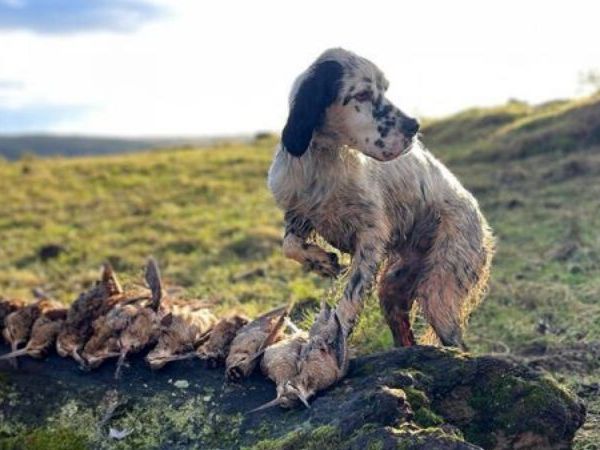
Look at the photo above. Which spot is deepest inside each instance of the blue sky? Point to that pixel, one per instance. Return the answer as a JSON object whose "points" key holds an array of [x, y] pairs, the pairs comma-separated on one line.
{"points": [[76, 16], [191, 67], [36, 117]]}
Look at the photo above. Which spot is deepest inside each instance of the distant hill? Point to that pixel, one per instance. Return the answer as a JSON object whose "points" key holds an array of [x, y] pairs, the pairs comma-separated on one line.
{"points": [[15, 146]]}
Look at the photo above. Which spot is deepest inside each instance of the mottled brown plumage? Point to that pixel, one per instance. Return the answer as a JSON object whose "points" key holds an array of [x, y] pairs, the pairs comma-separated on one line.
{"points": [[251, 340], [141, 331], [216, 348], [322, 361], [130, 326], [180, 334], [106, 329], [8, 306], [280, 363], [19, 323], [43, 334], [89, 306]]}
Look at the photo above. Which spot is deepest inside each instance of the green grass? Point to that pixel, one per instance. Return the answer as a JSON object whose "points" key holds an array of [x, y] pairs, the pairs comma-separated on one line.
{"points": [[205, 214], [208, 217]]}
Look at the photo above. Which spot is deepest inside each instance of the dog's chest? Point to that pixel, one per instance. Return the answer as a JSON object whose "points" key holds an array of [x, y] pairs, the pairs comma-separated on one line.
{"points": [[331, 195], [339, 233], [332, 212]]}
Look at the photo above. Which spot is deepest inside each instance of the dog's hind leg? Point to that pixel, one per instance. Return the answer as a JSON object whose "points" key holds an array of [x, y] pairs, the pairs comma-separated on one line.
{"points": [[454, 279], [396, 297]]}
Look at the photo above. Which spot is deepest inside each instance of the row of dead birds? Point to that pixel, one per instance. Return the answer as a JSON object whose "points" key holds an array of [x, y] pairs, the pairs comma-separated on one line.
{"points": [[109, 322]]}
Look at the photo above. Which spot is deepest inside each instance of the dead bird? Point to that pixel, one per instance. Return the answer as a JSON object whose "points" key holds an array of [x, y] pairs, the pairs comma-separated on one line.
{"points": [[19, 323], [142, 330], [43, 334], [180, 334], [280, 364], [251, 340], [125, 327], [218, 341], [8, 306], [89, 306], [129, 327], [104, 342], [322, 361]]}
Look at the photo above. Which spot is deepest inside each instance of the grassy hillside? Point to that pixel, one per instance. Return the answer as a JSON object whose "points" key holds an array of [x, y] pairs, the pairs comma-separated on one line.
{"points": [[209, 219], [43, 145]]}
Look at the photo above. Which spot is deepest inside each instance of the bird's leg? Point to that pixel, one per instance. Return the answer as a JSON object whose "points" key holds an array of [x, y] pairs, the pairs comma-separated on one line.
{"points": [[14, 362]]}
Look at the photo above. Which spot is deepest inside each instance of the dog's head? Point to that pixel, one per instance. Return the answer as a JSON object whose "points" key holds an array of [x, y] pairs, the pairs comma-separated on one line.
{"points": [[343, 96]]}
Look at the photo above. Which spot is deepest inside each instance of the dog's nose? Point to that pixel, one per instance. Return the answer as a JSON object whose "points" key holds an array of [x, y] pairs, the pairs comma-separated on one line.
{"points": [[410, 127]]}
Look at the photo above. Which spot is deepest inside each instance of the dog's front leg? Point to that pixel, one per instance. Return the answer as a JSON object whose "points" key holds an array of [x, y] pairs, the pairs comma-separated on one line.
{"points": [[311, 256], [365, 264], [324, 359]]}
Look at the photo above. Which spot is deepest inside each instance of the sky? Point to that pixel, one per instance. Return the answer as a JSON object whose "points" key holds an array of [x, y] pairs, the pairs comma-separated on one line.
{"points": [[206, 68]]}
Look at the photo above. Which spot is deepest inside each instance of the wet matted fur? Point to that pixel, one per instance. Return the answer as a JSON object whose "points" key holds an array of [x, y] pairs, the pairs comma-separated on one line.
{"points": [[350, 168]]}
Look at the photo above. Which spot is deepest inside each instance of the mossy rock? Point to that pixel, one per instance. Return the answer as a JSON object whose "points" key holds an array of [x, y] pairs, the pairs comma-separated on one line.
{"points": [[416, 398]]}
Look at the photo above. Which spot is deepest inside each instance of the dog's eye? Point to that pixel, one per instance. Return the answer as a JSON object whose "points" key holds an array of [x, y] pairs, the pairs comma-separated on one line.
{"points": [[364, 96]]}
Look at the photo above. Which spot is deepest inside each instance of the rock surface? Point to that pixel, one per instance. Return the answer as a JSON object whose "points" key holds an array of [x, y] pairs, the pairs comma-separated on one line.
{"points": [[415, 398]]}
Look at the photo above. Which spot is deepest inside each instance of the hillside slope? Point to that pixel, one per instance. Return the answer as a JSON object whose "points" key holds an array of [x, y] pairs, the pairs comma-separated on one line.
{"points": [[208, 217], [43, 145]]}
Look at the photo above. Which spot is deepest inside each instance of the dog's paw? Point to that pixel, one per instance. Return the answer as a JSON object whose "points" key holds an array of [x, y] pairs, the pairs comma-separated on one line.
{"points": [[328, 266]]}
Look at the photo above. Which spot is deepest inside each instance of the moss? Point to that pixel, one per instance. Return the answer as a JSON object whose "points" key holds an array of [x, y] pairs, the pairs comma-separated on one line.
{"points": [[515, 405], [416, 398], [324, 437], [46, 439], [152, 423], [408, 437], [9, 430], [423, 416], [377, 445], [365, 369], [159, 422]]}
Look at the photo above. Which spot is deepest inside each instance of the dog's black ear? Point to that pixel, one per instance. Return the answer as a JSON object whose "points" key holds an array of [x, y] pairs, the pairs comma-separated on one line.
{"points": [[318, 91]]}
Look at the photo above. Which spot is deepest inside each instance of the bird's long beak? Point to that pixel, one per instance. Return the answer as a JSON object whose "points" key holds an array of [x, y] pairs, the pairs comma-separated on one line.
{"points": [[159, 361], [120, 364], [14, 354], [303, 399], [77, 357], [275, 402], [181, 357], [14, 362], [279, 400], [91, 362], [300, 395]]}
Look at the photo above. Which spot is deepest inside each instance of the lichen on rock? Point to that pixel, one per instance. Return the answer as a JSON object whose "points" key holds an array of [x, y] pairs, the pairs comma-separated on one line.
{"points": [[415, 398]]}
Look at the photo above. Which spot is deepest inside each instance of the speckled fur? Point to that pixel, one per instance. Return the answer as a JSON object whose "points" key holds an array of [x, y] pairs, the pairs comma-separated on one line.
{"points": [[400, 206]]}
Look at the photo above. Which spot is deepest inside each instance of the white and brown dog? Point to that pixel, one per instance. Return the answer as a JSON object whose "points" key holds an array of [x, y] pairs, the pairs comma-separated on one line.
{"points": [[351, 169]]}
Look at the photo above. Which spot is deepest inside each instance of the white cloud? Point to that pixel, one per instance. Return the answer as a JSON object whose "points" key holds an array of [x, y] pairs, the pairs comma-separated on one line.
{"points": [[226, 67]]}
